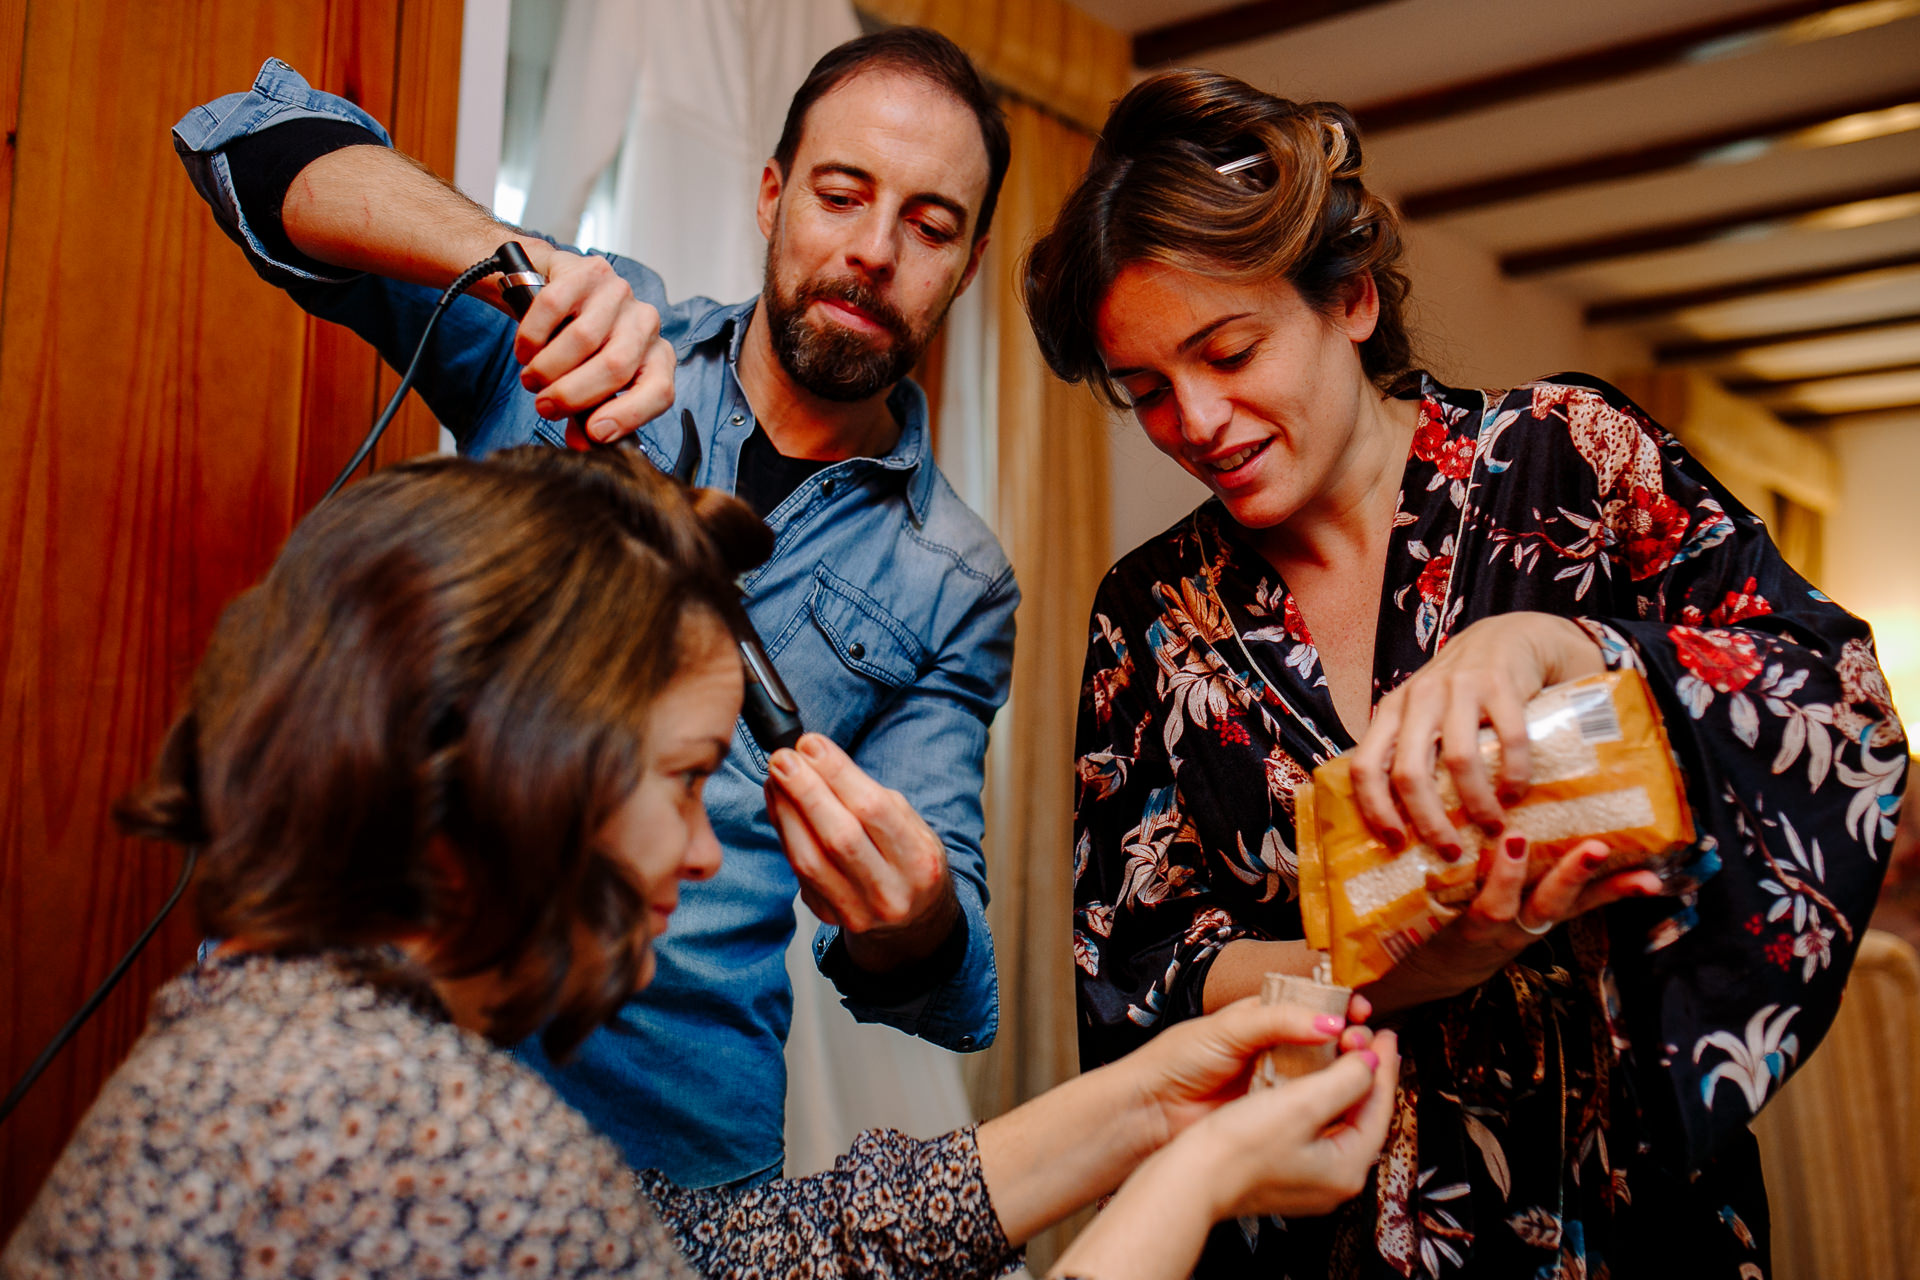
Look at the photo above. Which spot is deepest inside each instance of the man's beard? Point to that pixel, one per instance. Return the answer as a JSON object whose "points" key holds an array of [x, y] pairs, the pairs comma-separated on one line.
{"points": [[831, 360]]}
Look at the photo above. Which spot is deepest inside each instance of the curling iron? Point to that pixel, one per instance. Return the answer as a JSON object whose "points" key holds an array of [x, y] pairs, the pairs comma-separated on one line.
{"points": [[772, 716]]}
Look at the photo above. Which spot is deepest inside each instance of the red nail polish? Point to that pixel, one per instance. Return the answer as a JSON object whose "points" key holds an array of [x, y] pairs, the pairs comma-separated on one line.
{"points": [[1395, 841], [1516, 847], [1451, 852]]}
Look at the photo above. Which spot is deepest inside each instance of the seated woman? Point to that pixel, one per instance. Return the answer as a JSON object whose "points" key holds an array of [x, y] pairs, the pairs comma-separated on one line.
{"points": [[446, 766], [1578, 1082]]}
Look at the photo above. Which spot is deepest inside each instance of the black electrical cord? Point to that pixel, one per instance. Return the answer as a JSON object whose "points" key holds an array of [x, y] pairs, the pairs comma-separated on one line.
{"points": [[74, 1023], [502, 261], [463, 282]]}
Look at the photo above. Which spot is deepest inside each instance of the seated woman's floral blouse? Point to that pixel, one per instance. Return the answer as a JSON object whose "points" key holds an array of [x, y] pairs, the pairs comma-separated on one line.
{"points": [[1585, 1111], [320, 1117]]}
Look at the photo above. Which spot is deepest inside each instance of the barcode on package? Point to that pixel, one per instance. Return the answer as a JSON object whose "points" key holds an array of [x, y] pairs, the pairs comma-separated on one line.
{"points": [[1594, 709]]}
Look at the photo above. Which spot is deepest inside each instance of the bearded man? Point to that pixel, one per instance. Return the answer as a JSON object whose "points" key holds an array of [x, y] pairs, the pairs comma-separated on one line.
{"points": [[887, 606]]}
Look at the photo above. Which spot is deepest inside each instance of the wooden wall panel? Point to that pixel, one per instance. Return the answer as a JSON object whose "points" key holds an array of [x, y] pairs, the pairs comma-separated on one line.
{"points": [[164, 417], [13, 31], [423, 118]]}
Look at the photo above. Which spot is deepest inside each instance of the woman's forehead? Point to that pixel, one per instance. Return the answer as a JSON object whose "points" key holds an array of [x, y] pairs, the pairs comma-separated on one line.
{"points": [[1154, 311]]}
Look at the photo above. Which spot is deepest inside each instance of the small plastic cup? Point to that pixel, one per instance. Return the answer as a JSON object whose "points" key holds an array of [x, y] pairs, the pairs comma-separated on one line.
{"points": [[1287, 1061]]}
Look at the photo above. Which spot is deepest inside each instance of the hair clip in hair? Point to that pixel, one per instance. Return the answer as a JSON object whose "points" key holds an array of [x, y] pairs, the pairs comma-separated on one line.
{"points": [[1244, 162]]}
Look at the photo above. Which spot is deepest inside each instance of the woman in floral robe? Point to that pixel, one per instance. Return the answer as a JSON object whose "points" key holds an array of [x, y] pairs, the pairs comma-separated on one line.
{"points": [[1582, 1111]]}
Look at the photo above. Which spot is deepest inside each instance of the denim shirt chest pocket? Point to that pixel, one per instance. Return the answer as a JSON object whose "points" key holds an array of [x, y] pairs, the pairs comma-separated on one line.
{"points": [[846, 657]]}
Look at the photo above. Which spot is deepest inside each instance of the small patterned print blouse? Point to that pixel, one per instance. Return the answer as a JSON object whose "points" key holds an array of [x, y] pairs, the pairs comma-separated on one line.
{"points": [[321, 1117]]}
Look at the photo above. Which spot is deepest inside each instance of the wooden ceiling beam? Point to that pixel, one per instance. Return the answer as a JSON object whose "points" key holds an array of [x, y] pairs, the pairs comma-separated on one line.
{"points": [[1757, 385], [1746, 33], [1694, 352], [1656, 305], [1177, 41], [1828, 126], [1748, 223], [1811, 418]]}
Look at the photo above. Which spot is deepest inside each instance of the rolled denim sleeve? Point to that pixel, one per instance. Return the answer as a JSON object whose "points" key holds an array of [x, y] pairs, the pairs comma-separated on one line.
{"points": [[467, 374], [280, 95], [931, 747]]}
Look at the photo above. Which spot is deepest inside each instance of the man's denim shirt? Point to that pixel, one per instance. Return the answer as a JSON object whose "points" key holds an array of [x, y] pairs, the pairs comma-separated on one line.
{"points": [[888, 607]]}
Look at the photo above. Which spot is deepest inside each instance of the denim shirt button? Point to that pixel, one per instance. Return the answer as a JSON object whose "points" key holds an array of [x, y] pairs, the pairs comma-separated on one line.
{"points": [[826, 489], [739, 418], [857, 650], [966, 1043]]}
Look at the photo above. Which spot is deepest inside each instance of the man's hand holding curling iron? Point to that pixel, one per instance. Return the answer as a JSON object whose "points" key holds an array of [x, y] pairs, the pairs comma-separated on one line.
{"points": [[866, 861], [587, 343]]}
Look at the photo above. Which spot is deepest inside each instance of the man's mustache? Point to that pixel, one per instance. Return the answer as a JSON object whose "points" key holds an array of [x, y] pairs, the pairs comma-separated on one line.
{"points": [[862, 297]]}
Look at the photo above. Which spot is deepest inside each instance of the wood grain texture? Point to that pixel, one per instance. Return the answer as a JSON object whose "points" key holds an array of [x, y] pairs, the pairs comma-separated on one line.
{"points": [[13, 32], [164, 417], [423, 119]]}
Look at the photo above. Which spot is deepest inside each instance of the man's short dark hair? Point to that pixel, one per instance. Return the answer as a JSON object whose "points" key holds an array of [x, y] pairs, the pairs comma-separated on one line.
{"points": [[914, 51]]}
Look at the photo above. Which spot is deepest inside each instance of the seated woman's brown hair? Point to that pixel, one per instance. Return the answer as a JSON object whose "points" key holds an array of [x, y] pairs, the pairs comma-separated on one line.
{"points": [[414, 726], [1291, 206]]}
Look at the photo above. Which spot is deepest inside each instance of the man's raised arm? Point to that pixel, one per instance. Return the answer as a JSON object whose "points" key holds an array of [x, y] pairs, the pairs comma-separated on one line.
{"points": [[306, 183]]}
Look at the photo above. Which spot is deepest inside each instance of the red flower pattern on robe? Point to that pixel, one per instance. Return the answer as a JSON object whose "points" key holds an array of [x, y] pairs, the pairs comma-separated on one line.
{"points": [[1740, 605], [1296, 626], [1451, 455], [1727, 660], [1432, 584], [1653, 525]]}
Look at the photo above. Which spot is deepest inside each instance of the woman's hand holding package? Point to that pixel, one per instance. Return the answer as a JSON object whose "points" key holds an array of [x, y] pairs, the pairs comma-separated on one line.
{"points": [[1482, 676], [1505, 919]]}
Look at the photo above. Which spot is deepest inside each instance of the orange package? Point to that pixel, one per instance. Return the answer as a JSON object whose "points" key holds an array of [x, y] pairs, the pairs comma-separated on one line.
{"points": [[1602, 769]]}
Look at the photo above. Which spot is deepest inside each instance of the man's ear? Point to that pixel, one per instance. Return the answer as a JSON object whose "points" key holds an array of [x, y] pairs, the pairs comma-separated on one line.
{"points": [[973, 264], [772, 183], [1359, 308]]}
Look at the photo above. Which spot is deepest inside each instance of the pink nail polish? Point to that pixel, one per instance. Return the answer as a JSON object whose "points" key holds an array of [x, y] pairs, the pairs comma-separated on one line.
{"points": [[1328, 1023], [1371, 1058]]}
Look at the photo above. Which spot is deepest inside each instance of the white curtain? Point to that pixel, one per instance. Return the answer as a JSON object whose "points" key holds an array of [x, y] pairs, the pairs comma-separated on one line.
{"points": [[669, 109], [658, 117]]}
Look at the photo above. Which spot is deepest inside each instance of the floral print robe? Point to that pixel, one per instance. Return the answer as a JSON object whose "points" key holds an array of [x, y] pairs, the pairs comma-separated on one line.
{"points": [[1585, 1112]]}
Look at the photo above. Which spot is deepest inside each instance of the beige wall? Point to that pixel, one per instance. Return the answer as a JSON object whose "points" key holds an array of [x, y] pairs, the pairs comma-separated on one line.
{"points": [[1872, 560], [1473, 327]]}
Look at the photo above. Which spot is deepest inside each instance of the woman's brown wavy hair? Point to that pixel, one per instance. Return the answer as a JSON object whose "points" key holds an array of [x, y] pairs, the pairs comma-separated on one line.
{"points": [[1152, 192], [416, 724]]}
